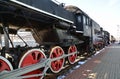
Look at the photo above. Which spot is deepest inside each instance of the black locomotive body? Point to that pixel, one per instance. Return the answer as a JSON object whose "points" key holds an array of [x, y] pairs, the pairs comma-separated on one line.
{"points": [[97, 35], [60, 32]]}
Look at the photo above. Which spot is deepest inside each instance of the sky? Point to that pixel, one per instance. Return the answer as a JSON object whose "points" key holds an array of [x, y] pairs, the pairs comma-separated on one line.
{"points": [[105, 12]]}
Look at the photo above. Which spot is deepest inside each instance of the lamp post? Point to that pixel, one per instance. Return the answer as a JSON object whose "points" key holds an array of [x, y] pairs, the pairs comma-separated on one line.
{"points": [[118, 33]]}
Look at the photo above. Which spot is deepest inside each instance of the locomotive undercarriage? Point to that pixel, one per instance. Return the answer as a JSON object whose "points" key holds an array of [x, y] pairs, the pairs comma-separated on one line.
{"points": [[35, 55]]}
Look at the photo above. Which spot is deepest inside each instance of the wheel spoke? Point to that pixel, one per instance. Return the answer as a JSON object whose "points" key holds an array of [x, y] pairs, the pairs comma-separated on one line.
{"points": [[72, 58], [56, 65], [32, 56]]}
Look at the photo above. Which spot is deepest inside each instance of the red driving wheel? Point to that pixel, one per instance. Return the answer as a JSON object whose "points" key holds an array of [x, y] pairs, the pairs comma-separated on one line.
{"points": [[56, 65], [72, 58], [32, 56], [5, 64]]}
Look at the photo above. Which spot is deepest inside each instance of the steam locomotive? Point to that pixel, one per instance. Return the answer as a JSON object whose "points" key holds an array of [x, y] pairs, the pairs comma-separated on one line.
{"points": [[62, 34]]}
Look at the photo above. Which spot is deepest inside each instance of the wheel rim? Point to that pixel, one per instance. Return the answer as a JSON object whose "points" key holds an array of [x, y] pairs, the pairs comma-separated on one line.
{"points": [[72, 58], [56, 65], [32, 56], [5, 64]]}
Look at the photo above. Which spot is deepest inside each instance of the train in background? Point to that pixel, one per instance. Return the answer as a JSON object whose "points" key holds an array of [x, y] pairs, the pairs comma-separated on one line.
{"points": [[59, 31], [112, 39]]}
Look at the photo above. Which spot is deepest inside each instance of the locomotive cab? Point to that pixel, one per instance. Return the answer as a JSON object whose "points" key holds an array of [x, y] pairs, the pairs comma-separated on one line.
{"points": [[83, 25]]}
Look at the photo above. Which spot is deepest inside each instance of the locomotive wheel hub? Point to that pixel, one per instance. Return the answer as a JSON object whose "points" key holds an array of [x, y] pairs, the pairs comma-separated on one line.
{"points": [[32, 56], [5, 64], [72, 58], [56, 65]]}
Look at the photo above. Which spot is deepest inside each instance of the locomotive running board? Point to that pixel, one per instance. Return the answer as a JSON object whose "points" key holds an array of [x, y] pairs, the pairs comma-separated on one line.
{"points": [[39, 10]]}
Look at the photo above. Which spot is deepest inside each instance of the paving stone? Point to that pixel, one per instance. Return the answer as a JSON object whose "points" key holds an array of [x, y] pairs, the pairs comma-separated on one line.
{"points": [[105, 65]]}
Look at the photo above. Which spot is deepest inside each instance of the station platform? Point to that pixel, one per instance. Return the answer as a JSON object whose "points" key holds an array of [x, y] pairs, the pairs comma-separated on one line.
{"points": [[105, 65]]}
